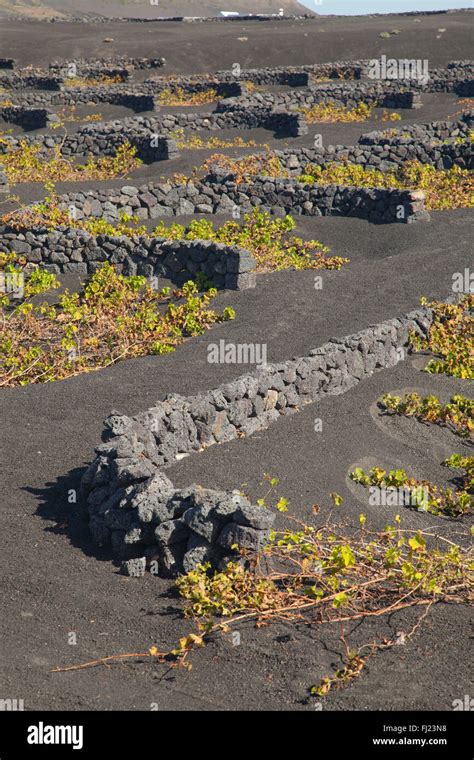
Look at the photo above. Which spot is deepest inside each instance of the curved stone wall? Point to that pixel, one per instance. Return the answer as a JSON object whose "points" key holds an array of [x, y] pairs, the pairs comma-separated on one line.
{"points": [[441, 144], [220, 194], [72, 250], [136, 509], [26, 117]]}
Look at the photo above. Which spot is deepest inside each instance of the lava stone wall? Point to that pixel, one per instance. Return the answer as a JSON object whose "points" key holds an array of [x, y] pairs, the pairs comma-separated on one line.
{"points": [[239, 114], [97, 141], [28, 118], [424, 133], [136, 509], [441, 144], [123, 93], [101, 140], [220, 194], [341, 94], [390, 95], [383, 157], [94, 71], [148, 134], [72, 250], [129, 95], [150, 523], [296, 76], [99, 64], [30, 80], [281, 123], [195, 84], [457, 77]]}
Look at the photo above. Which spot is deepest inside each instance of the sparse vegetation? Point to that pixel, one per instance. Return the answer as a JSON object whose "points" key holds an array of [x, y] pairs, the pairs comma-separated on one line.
{"points": [[332, 112], [264, 164], [318, 574], [267, 238], [467, 104], [102, 81], [114, 318], [196, 142], [421, 494], [48, 213], [390, 116], [252, 86], [327, 588], [458, 414], [177, 96], [449, 338], [443, 190], [29, 163], [69, 114], [318, 79]]}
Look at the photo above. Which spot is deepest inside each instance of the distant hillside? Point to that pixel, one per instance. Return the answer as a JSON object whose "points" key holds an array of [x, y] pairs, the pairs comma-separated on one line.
{"points": [[143, 8]]}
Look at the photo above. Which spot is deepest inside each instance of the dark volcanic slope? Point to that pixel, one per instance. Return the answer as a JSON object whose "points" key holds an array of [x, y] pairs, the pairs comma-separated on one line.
{"points": [[144, 9], [58, 583], [194, 48], [202, 8], [55, 583]]}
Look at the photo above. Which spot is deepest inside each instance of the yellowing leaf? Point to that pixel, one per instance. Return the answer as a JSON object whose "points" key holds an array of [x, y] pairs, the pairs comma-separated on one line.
{"points": [[417, 542]]}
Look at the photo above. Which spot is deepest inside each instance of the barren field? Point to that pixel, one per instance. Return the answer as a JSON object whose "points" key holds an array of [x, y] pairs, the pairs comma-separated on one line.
{"points": [[235, 127]]}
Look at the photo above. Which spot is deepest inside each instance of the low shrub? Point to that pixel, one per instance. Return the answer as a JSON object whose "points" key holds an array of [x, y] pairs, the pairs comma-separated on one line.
{"points": [[390, 116], [27, 163], [265, 164], [69, 114], [196, 142], [458, 414], [114, 318], [315, 574], [443, 190], [332, 112], [177, 96], [252, 86], [421, 494], [267, 238], [102, 81], [49, 214], [449, 338]]}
